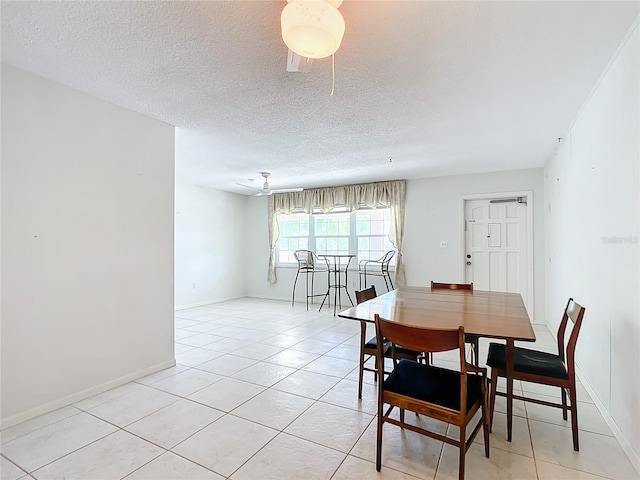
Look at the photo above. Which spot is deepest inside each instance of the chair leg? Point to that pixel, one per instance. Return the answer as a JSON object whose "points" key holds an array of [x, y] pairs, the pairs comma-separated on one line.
{"points": [[563, 392], [492, 400], [391, 282], [485, 423], [574, 416], [462, 451], [379, 435], [363, 333], [293, 295]]}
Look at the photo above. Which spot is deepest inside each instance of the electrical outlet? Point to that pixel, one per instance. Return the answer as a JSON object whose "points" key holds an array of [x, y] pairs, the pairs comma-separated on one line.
{"points": [[194, 285], [443, 244]]}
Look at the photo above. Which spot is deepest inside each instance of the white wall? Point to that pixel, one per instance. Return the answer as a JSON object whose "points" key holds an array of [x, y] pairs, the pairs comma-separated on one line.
{"points": [[592, 200], [87, 245], [432, 214], [210, 241]]}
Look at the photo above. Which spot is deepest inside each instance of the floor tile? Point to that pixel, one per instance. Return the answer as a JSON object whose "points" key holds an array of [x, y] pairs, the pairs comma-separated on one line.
{"points": [[272, 393], [402, 450], [227, 365], [331, 426], [292, 358], [348, 352], [162, 374], [335, 367], [112, 394], [354, 468], [281, 340], [345, 394], [258, 351], [290, 458], [10, 471], [501, 465], [170, 466], [314, 346], [226, 394], [589, 418], [188, 382], [599, 454], [307, 384], [196, 356], [173, 424], [265, 374], [273, 408], [226, 444], [549, 471], [29, 426], [129, 408], [113, 456], [49, 443]]}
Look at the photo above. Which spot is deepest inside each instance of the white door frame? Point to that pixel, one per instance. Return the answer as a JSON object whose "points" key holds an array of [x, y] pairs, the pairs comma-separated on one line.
{"points": [[528, 194]]}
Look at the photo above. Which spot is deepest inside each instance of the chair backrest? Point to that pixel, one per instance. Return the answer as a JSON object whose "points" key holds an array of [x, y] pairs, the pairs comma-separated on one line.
{"points": [[451, 286], [423, 340], [419, 339], [366, 294], [574, 312], [386, 258], [305, 258]]}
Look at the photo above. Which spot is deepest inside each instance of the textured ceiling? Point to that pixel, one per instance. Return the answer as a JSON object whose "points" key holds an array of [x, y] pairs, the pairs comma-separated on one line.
{"points": [[439, 87]]}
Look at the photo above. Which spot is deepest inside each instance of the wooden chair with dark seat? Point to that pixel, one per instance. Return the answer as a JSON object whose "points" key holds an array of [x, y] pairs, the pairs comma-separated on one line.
{"points": [[376, 268], [447, 395], [473, 340], [546, 368], [369, 349]]}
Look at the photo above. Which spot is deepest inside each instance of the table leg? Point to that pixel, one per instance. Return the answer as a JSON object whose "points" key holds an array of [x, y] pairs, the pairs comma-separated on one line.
{"points": [[510, 359]]}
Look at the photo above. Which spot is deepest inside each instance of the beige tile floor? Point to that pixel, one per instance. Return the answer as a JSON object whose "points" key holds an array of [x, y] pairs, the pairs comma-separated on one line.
{"points": [[263, 391]]}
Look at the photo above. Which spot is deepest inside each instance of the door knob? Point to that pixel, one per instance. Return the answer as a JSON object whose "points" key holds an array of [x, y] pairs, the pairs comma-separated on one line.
{"points": [[468, 263]]}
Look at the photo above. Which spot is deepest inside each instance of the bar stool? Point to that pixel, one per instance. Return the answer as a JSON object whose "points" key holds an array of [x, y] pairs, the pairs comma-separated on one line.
{"points": [[376, 268], [310, 264]]}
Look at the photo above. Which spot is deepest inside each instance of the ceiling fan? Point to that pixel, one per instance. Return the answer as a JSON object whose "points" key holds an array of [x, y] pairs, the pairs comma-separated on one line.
{"points": [[266, 190]]}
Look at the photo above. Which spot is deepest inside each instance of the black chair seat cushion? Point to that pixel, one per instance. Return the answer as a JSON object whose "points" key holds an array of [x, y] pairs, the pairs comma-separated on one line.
{"points": [[432, 384], [528, 361], [373, 343]]}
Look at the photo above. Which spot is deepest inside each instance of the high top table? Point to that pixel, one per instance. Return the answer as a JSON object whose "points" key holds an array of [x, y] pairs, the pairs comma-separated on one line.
{"points": [[497, 315], [335, 267]]}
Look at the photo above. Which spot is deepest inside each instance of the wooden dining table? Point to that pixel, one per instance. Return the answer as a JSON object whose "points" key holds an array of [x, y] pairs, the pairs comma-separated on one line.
{"points": [[499, 315]]}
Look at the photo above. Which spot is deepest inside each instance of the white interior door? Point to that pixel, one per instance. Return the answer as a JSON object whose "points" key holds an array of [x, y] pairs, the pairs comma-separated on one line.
{"points": [[496, 246]]}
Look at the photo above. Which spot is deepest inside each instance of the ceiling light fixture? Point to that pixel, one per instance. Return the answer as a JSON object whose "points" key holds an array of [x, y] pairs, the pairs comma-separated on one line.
{"points": [[312, 28]]}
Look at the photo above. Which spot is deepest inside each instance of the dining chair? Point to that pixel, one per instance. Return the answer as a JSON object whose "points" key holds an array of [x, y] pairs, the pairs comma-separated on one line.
{"points": [[369, 349], [544, 368], [473, 340], [309, 264], [447, 395], [376, 268]]}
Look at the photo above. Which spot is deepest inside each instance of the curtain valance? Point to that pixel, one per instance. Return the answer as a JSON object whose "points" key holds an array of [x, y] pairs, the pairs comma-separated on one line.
{"points": [[351, 197]]}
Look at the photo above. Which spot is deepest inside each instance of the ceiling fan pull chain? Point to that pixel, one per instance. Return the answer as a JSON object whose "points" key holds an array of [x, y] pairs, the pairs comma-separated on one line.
{"points": [[333, 73]]}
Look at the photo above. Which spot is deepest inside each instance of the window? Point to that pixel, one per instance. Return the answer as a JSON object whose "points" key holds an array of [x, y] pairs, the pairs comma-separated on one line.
{"points": [[363, 232], [372, 233], [294, 235]]}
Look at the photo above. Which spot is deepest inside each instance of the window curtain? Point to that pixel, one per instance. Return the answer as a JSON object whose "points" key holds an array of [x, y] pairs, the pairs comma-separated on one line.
{"points": [[352, 197]]}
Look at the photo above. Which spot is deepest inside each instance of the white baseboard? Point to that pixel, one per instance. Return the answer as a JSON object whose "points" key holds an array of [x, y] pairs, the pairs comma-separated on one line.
{"points": [[76, 397], [208, 302], [633, 457]]}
